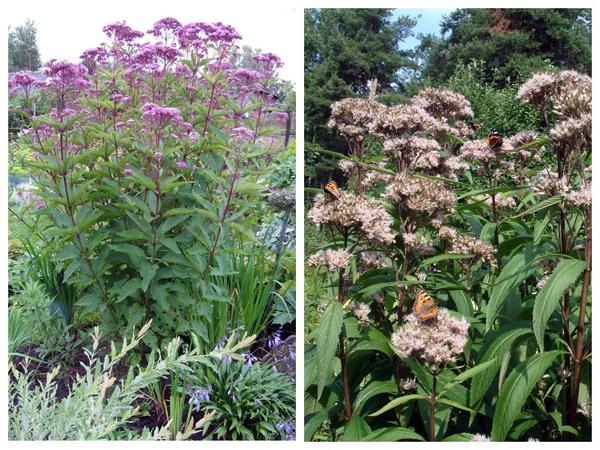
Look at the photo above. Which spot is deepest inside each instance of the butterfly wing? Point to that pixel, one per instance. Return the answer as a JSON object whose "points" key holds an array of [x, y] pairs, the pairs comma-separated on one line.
{"points": [[425, 307], [494, 140], [332, 189]]}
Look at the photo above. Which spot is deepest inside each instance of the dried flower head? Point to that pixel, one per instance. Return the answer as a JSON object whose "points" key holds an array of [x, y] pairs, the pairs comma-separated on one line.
{"points": [[352, 117], [283, 199], [548, 183], [332, 259], [361, 311], [357, 212], [481, 250], [581, 197], [420, 194]]}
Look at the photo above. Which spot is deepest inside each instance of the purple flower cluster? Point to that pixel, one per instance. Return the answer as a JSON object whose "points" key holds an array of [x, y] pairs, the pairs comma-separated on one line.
{"points": [[268, 61], [288, 429], [121, 32], [199, 396], [166, 25], [21, 82], [161, 116], [65, 76], [242, 134], [199, 34]]}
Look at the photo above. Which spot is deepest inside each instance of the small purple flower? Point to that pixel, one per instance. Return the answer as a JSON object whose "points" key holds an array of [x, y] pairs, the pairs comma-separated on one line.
{"points": [[158, 156], [182, 165], [198, 396], [288, 428], [128, 171], [39, 205], [274, 340]]}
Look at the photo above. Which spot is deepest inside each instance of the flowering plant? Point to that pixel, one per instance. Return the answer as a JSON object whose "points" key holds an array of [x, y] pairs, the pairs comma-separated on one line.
{"points": [[497, 234], [150, 168]]}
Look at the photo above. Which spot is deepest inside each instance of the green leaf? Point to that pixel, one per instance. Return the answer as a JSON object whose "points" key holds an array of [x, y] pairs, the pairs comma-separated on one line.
{"points": [[501, 341], [312, 423], [129, 288], [516, 390], [539, 206], [443, 257], [540, 227], [399, 401], [469, 373], [374, 340], [372, 389], [356, 429], [463, 302], [564, 275], [454, 404], [147, 272], [327, 339], [518, 268], [393, 435]]}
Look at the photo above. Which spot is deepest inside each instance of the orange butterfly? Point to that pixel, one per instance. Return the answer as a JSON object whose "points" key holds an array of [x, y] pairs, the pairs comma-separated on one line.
{"points": [[425, 308], [332, 189], [494, 140]]}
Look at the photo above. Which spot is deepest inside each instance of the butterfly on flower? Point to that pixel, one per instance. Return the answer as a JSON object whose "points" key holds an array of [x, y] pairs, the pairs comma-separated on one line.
{"points": [[424, 307], [494, 140], [332, 189]]}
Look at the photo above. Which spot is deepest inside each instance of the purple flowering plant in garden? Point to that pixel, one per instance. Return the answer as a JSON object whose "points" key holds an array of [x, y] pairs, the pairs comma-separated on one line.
{"points": [[150, 172], [498, 234]]}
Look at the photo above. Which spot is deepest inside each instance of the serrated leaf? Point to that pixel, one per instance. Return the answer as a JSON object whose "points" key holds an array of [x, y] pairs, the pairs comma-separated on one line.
{"points": [[501, 341], [327, 340], [518, 268], [516, 390], [564, 275]]}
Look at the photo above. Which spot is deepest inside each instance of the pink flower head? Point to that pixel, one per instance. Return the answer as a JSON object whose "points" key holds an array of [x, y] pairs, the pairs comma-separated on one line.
{"points": [[268, 61], [121, 32], [151, 53], [436, 342], [64, 75], [166, 25], [245, 75], [217, 32], [128, 171], [279, 116], [242, 134], [161, 116], [21, 82], [97, 55], [158, 156], [182, 165]]}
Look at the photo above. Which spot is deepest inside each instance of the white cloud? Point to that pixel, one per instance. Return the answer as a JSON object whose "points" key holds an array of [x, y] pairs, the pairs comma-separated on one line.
{"points": [[66, 29]]}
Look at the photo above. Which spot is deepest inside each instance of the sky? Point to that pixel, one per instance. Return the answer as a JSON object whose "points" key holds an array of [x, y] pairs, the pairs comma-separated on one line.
{"points": [[65, 32], [429, 22]]}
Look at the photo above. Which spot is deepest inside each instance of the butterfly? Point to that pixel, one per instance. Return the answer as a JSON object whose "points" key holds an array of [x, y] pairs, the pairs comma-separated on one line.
{"points": [[332, 189], [424, 307], [494, 140]]}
